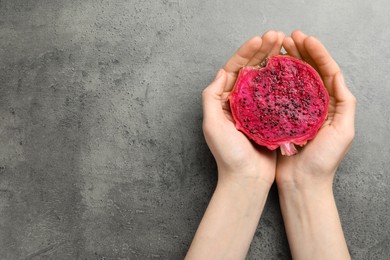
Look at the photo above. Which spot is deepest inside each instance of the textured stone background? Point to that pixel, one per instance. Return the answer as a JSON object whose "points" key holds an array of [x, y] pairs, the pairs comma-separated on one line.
{"points": [[101, 148]]}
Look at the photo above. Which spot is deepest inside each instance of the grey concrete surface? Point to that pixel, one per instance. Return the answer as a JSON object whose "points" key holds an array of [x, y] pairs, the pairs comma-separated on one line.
{"points": [[101, 149]]}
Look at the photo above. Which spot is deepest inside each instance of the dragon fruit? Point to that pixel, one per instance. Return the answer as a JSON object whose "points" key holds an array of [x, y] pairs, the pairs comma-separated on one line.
{"points": [[281, 104]]}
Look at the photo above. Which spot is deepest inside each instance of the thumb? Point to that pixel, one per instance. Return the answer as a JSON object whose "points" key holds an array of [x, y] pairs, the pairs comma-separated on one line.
{"points": [[345, 103], [212, 96]]}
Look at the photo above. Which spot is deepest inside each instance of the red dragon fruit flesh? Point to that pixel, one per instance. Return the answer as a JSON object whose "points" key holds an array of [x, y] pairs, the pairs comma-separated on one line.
{"points": [[280, 104]]}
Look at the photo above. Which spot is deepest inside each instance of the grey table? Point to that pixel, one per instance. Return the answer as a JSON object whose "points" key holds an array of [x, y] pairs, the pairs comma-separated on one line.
{"points": [[101, 148]]}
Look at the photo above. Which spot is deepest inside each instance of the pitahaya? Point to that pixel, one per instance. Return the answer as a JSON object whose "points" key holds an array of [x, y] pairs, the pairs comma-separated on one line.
{"points": [[280, 104]]}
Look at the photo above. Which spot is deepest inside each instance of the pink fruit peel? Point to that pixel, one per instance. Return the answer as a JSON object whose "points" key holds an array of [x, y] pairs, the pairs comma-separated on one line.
{"points": [[281, 104]]}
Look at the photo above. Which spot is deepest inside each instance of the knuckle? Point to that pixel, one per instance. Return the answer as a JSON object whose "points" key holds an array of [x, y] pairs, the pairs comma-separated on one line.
{"points": [[210, 127], [350, 98], [205, 93], [207, 129], [345, 133], [350, 134], [353, 100]]}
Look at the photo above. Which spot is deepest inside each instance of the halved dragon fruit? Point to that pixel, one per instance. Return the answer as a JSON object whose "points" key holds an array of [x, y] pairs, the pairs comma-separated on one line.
{"points": [[281, 104]]}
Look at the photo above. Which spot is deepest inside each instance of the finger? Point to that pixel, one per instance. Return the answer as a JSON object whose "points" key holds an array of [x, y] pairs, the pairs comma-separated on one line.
{"points": [[299, 38], [270, 39], [278, 45], [211, 97], [325, 64], [291, 48], [320, 56], [344, 116], [240, 59]]}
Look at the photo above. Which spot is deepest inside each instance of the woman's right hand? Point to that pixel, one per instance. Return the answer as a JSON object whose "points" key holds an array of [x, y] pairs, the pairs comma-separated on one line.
{"points": [[305, 180], [317, 161]]}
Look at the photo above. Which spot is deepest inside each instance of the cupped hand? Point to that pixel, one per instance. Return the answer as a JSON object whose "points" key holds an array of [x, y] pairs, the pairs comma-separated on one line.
{"points": [[235, 154], [317, 162]]}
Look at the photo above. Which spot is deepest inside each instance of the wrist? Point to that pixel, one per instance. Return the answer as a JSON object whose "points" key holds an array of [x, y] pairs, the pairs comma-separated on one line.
{"points": [[231, 218], [312, 222], [252, 174], [306, 196], [244, 181], [248, 194], [300, 181]]}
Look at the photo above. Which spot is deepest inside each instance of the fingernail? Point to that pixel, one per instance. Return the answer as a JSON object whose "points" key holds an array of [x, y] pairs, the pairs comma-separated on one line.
{"points": [[219, 74]]}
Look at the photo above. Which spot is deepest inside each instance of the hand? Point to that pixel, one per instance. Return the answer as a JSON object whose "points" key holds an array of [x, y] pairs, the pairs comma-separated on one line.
{"points": [[317, 162], [245, 171], [235, 154], [305, 180]]}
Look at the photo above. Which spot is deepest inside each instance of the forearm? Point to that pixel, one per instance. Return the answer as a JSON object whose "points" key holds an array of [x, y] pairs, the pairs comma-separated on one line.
{"points": [[230, 220], [312, 223]]}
